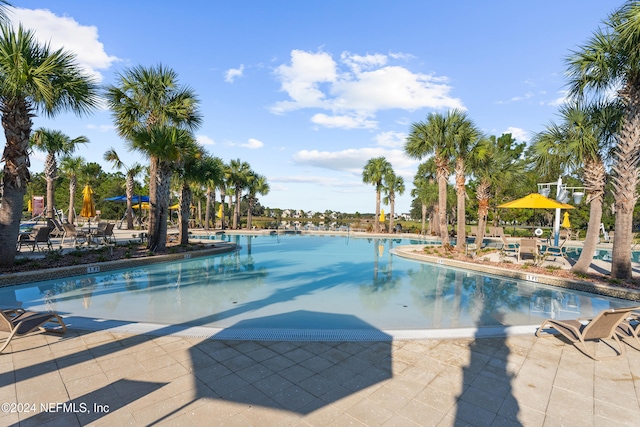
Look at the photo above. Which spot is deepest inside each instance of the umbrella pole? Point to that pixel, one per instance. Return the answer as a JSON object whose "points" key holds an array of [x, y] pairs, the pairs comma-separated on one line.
{"points": [[556, 228]]}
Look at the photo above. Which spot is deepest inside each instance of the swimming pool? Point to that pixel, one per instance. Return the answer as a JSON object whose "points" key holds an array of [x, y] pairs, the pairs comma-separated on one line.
{"points": [[305, 283]]}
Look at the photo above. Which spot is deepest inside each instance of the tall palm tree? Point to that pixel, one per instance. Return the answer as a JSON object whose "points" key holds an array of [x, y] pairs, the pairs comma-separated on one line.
{"points": [[33, 79], [196, 169], [373, 173], [497, 164], [149, 103], [165, 146], [609, 63], [53, 142], [393, 185], [132, 171], [70, 167], [238, 174], [583, 141], [215, 181], [466, 143], [426, 190], [257, 185], [434, 136]]}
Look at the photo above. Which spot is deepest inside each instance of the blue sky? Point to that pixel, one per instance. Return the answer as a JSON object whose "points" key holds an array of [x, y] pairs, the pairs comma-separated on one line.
{"points": [[308, 91]]}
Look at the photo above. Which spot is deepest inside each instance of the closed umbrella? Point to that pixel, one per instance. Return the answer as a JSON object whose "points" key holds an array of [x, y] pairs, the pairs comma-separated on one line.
{"points": [[565, 222], [382, 216], [88, 208]]}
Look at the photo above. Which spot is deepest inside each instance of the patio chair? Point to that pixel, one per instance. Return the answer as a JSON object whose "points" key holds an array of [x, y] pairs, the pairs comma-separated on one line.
{"points": [[601, 327], [630, 327], [41, 237], [105, 232], [56, 227], [556, 251], [528, 247], [70, 231], [510, 248], [20, 322]]}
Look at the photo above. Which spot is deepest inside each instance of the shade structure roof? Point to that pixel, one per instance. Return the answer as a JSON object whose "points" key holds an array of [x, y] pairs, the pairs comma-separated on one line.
{"points": [[136, 199], [535, 201]]}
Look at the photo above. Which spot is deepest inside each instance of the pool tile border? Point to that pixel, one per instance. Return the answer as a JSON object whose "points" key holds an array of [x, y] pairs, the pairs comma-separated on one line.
{"points": [[578, 285], [101, 267]]}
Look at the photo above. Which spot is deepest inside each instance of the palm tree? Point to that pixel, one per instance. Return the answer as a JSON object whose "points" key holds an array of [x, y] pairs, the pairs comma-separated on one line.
{"points": [[53, 142], [426, 189], [373, 173], [582, 142], [434, 137], [393, 185], [132, 171], [216, 179], [149, 103], [497, 165], [70, 167], [165, 146], [466, 141], [257, 185], [33, 78], [608, 63], [238, 174]]}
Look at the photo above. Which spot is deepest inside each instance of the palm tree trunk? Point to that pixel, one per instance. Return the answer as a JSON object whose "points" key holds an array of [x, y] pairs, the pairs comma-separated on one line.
{"points": [[391, 211], [249, 216], [442, 209], [129, 190], [73, 184], [236, 211], [625, 183], [207, 210], [424, 217], [461, 194], [595, 180], [17, 125], [483, 196], [159, 187], [184, 213], [376, 221], [50, 176]]}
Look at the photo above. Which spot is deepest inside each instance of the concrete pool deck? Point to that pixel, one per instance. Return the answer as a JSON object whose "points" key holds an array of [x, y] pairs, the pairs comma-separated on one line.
{"points": [[103, 378], [107, 378]]}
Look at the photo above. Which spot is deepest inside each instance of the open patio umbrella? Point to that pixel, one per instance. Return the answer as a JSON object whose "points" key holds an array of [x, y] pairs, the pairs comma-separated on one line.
{"points": [[535, 201]]}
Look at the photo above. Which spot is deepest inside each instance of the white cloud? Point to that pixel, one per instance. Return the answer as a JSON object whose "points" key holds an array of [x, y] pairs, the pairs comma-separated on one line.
{"points": [[344, 122], [204, 140], [352, 160], [233, 73], [520, 135], [252, 144], [354, 93], [101, 128], [67, 33], [323, 181], [391, 139]]}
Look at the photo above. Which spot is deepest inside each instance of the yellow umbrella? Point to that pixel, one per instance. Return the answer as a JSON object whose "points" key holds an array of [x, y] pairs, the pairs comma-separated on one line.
{"points": [[88, 208], [220, 211], [535, 201], [565, 221], [382, 216], [143, 205]]}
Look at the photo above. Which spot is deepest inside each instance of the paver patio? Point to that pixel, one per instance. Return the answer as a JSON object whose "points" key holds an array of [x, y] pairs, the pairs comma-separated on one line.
{"points": [[121, 379]]}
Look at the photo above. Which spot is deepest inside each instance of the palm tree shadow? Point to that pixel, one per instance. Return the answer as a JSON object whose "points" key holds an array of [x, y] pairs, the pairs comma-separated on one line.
{"points": [[486, 397]]}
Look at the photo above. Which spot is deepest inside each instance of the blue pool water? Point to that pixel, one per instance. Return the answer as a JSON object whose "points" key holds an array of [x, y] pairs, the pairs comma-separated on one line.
{"points": [[306, 282]]}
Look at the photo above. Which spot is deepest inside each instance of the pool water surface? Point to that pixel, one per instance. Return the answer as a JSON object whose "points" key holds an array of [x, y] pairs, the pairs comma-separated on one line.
{"points": [[306, 282]]}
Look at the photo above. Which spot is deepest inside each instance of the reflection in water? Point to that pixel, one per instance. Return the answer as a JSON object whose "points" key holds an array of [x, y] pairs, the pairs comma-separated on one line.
{"points": [[287, 273]]}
